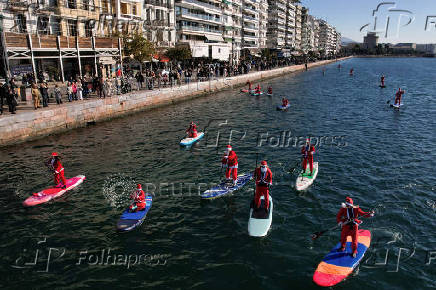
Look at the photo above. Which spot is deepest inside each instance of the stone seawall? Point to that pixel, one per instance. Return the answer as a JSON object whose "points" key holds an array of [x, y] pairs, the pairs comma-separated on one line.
{"points": [[28, 125]]}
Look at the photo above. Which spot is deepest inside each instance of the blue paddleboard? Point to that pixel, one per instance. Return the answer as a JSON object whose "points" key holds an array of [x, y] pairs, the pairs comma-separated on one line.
{"points": [[190, 141], [130, 220], [224, 187]]}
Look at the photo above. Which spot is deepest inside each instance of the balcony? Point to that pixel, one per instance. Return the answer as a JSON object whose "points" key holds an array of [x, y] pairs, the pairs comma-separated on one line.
{"points": [[199, 29], [201, 17], [249, 18], [201, 4], [251, 28]]}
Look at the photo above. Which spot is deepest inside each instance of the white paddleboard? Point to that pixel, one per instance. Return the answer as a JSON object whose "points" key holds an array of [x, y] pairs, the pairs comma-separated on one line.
{"points": [[305, 180], [397, 106], [259, 221]]}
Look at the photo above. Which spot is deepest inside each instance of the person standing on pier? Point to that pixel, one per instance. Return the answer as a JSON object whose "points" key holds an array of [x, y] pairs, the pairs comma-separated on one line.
{"points": [[230, 162], [36, 96]]}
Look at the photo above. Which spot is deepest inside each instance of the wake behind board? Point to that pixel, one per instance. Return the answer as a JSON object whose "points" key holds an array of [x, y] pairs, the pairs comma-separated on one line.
{"points": [[283, 108], [260, 220], [130, 220], [225, 188], [304, 180], [190, 141], [336, 266], [53, 192]]}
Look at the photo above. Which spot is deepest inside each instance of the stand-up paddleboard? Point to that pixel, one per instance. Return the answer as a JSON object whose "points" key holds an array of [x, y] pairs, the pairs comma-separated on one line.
{"points": [[382, 86], [53, 192], [397, 106], [245, 91], [224, 187], [130, 220], [260, 219], [283, 108], [269, 95], [336, 266], [190, 141], [256, 94], [304, 180]]}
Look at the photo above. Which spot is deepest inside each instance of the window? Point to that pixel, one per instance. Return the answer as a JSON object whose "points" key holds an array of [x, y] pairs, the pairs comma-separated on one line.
{"points": [[72, 27], [123, 8], [134, 9], [89, 26], [55, 25], [104, 6], [20, 23], [42, 25], [72, 4]]}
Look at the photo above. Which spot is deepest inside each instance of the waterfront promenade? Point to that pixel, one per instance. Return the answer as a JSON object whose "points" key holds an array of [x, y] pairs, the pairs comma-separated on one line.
{"points": [[28, 125]]}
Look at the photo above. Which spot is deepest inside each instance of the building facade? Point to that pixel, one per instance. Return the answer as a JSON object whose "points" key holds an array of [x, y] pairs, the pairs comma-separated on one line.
{"points": [[64, 38], [159, 22]]}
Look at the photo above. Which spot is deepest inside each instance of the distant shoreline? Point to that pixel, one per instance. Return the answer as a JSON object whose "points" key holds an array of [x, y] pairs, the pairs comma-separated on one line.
{"points": [[393, 56]]}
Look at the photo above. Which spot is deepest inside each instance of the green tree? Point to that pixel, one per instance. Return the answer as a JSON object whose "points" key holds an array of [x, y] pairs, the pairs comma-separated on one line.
{"points": [[139, 48], [178, 53]]}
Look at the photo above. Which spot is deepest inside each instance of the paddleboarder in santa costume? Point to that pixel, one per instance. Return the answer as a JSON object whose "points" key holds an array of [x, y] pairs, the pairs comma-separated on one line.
{"points": [[192, 130], [138, 199], [270, 90], [382, 81], [285, 102], [307, 152], [257, 89], [347, 218], [263, 177], [398, 96], [351, 71], [54, 164], [230, 162]]}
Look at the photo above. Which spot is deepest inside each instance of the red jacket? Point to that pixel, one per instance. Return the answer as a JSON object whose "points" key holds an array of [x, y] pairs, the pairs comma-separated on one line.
{"points": [[307, 154], [231, 160], [192, 128], [344, 216], [139, 196], [261, 178], [56, 165]]}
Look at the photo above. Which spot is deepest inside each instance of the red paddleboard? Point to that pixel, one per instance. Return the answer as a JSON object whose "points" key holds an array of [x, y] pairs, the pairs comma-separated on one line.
{"points": [[53, 192], [337, 265]]}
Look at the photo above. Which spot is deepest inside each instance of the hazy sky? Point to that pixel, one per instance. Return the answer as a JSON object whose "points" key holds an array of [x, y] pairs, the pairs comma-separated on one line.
{"points": [[348, 16]]}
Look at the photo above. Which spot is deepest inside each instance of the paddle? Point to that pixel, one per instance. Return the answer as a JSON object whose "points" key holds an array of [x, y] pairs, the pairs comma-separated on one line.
{"points": [[316, 235]]}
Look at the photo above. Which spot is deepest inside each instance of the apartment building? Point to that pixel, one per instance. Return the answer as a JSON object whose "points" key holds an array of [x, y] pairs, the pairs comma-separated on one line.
{"points": [[290, 25], [200, 24], [298, 26], [159, 22], [232, 17], [263, 23], [277, 14], [329, 39]]}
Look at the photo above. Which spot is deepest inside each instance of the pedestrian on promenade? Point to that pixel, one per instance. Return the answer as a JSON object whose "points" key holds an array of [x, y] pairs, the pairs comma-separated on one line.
{"points": [[69, 92], [79, 90], [74, 89], [36, 96], [10, 96], [58, 95], [44, 94], [2, 96]]}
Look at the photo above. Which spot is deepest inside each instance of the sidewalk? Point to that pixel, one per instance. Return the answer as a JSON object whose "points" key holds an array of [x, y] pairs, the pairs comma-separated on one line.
{"points": [[29, 123]]}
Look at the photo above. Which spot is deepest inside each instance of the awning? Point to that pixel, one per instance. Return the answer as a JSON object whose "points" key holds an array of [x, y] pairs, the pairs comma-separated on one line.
{"points": [[214, 38], [161, 58]]}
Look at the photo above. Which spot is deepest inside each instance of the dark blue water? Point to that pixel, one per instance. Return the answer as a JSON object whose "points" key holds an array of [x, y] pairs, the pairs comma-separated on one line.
{"points": [[381, 157]]}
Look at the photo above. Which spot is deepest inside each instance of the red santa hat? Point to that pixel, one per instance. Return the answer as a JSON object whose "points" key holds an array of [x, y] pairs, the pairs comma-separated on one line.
{"points": [[348, 202], [263, 163], [139, 186], [54, 154], [229, 147]]}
